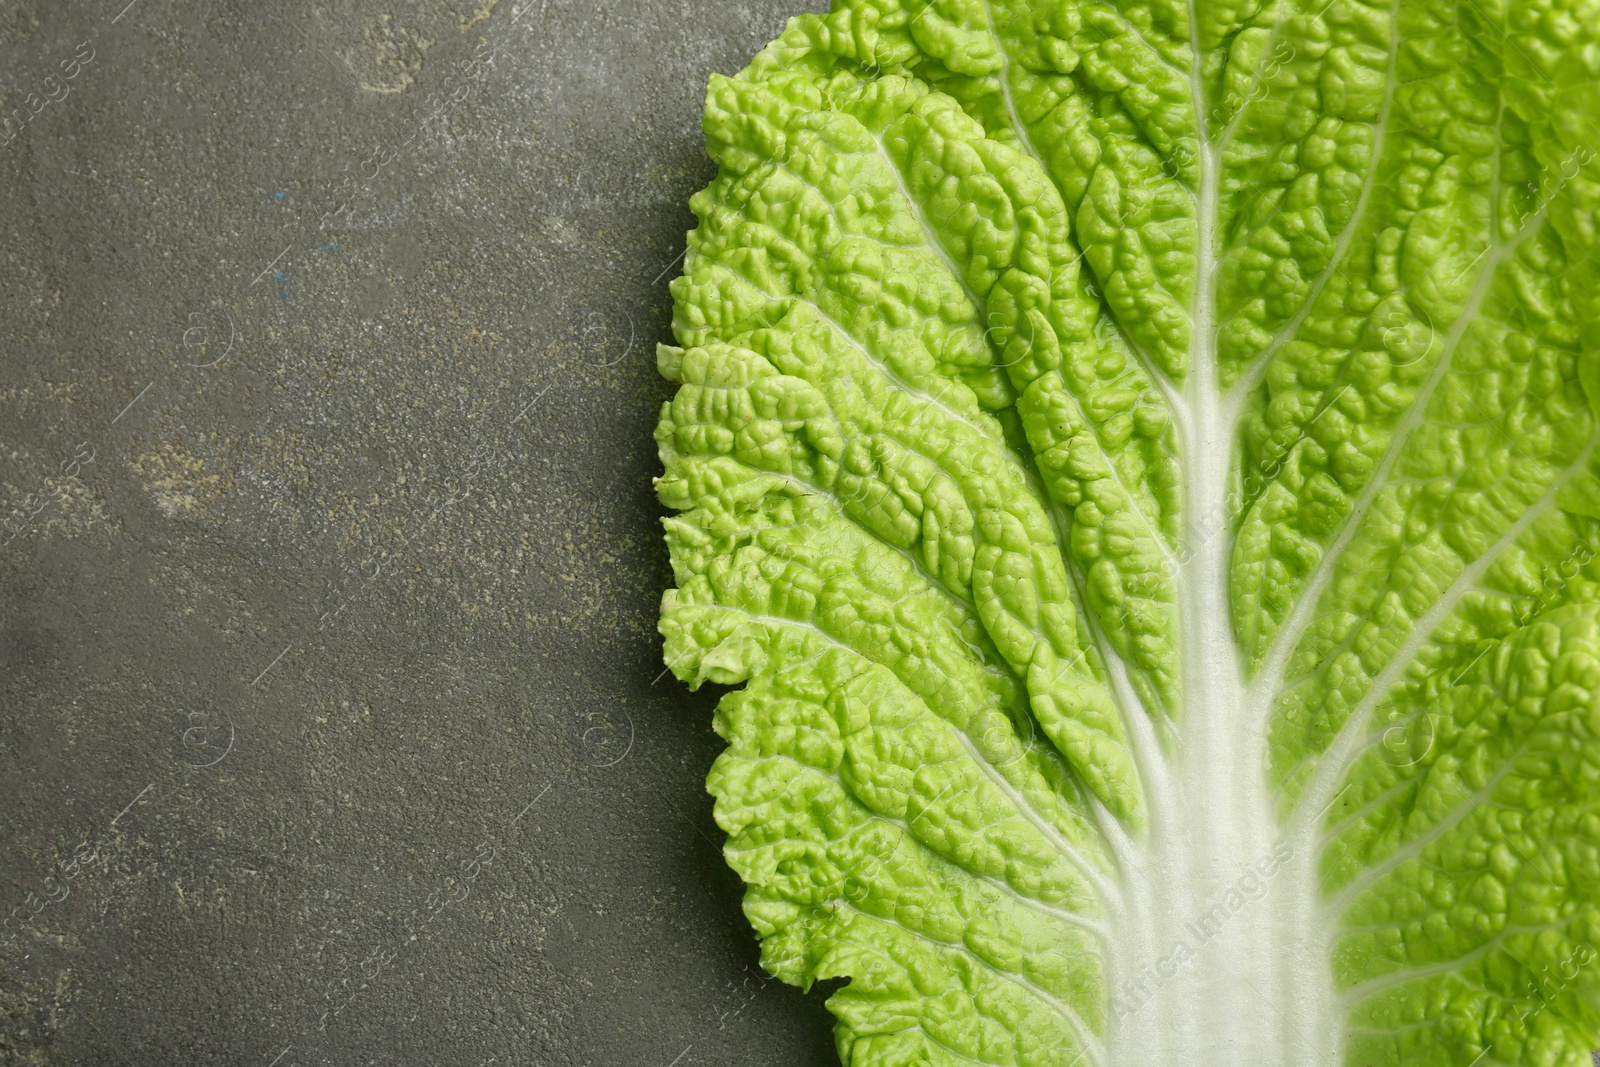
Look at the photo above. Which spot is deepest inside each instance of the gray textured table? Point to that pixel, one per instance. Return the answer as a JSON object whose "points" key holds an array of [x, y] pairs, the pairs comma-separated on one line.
{"points": [[328, 728]]}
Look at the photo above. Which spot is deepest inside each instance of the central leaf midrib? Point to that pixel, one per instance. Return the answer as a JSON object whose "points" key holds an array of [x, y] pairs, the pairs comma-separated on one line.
{"points": [[1198, 415]]}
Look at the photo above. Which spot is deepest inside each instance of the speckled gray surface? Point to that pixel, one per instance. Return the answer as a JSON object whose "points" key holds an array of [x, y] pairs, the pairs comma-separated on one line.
{"points": [[331, 725]]}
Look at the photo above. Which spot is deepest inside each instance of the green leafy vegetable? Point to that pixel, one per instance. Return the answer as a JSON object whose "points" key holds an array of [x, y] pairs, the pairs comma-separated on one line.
{"points": [[1139, 461]]}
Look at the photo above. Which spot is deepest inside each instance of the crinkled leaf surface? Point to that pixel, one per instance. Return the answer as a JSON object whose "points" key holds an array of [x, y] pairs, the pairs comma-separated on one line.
{"points": [[1138, 461]]}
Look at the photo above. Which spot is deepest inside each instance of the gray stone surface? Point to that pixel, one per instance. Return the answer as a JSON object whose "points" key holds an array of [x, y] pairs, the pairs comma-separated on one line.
{"points": [[331, 725]]}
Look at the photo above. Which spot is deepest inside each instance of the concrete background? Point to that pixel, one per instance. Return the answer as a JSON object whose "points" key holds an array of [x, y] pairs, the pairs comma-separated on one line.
{"points": [[332, 728]]}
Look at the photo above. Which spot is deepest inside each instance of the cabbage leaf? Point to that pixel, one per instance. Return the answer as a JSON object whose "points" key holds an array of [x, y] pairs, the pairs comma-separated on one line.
{"points": [[1137, 461]]}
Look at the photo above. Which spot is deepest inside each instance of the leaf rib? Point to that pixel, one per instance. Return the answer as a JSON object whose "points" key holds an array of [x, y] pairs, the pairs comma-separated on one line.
{"points": [[1074, 1021], [1337, 759], [1238, 392], [1043, 907], [1266, 686], [1090, 873]]}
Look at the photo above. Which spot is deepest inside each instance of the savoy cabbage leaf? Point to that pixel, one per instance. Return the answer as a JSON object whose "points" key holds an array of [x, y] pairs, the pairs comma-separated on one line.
{"points": [[1139, 461]]}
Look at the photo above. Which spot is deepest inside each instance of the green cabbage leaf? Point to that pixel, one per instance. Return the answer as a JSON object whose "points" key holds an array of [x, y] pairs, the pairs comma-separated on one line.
{"points": [[1137, 463]]}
